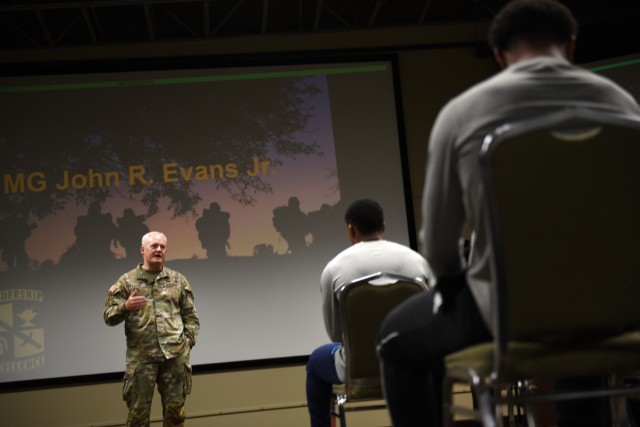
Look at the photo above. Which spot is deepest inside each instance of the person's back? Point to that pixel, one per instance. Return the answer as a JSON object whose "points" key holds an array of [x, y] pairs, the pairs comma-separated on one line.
{"points": [[359, 260], [537, 79]]}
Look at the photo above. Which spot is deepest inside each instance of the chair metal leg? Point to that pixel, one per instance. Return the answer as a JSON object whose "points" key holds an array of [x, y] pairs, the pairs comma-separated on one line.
{"points": [[511, 392], [341, 401], [447, 394], [530, 413], [516, 412], [487, 408], [526, 388], [619, 408]]}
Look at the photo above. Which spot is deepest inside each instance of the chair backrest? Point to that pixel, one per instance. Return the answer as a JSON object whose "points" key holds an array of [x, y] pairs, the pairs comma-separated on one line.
{"points": [[562, 202], [364, 303]]}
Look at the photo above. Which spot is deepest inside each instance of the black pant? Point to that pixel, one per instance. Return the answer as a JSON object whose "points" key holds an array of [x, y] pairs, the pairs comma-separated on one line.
{"points": [[413, 342]]}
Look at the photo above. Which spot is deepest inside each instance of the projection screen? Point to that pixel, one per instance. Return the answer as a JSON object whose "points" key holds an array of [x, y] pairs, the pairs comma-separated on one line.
{"points": [[247, 171]]}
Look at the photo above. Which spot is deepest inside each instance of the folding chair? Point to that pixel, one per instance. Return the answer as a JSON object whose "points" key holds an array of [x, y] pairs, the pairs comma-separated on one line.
{"points": [[364, 303], [562, 206]]}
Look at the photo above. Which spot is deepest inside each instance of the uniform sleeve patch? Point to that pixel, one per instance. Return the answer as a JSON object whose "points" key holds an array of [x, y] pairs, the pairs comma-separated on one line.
{"points": [[113, 288]]}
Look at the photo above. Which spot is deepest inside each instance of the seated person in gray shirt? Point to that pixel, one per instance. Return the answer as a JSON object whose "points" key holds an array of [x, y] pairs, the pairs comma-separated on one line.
{"points": [[369, 254]]}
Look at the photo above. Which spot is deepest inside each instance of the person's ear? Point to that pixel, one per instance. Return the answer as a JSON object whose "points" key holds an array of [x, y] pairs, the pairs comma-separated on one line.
{"points": [[351, 231], [570, 48], [500, 57]]}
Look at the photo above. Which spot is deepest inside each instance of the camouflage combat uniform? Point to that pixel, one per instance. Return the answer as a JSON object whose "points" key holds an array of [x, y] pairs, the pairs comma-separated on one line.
{"points": [[159, 339]]}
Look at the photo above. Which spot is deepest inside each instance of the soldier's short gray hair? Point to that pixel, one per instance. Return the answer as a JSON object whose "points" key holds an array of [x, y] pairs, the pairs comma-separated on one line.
{"points": [[150, 234]]}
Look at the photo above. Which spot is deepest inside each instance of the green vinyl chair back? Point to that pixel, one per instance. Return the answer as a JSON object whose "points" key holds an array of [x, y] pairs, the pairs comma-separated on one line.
{"points": [[363, 304], [561, 196]]}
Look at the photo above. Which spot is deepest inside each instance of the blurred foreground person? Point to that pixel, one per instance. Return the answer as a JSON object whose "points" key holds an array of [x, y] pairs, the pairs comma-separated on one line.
{"points": [[533, 42]]}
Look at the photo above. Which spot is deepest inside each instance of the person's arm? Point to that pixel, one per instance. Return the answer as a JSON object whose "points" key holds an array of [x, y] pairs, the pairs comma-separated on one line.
{"points": [[443, 213], [189, 315], [114, 306], [427, 275], [330, 310]]}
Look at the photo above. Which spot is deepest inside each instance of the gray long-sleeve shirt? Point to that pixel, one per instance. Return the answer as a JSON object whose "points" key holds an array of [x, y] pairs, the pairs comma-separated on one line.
{"points": [[452, 191]]}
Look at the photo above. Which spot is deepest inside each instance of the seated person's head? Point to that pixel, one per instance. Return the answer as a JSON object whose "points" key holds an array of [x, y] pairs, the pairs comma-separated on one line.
{"points": [[525, 28], [365, 220]]}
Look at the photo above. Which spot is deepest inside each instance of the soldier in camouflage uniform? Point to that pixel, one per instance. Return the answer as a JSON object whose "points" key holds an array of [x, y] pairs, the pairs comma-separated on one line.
{"points": [[161, 325]]}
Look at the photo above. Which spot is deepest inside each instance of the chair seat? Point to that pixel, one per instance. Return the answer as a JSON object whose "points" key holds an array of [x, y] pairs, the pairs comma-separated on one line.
{"points": [[527, 360]]}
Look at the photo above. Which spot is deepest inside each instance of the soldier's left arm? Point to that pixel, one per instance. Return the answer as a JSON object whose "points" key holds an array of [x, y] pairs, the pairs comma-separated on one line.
{"points": [[188, 312]]}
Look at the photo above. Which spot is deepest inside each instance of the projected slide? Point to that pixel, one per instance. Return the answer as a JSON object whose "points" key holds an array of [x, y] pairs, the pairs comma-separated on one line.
{"points": [[247, 171]]}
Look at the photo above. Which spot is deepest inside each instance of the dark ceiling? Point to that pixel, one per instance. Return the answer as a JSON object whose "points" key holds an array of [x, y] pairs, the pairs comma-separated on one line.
{"points": [[608, 27]]}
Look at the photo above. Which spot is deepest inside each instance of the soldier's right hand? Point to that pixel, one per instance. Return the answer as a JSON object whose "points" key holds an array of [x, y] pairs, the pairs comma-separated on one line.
{"points": [[135, 301]]}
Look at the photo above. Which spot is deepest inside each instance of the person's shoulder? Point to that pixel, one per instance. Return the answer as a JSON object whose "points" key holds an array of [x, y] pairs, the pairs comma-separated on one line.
{"points": [[345, 253], [405, 251], [134, 273], [130, 276], [166, 271], [607, 84], [470, 98], [398, 246], [346, 256]]}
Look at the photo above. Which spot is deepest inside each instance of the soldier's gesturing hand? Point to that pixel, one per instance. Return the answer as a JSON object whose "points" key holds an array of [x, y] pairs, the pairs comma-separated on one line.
{"points": [[135, 302]]}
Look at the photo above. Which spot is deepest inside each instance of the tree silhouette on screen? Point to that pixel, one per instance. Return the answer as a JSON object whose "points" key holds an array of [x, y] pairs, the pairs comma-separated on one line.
{"points": [[146, 126]]}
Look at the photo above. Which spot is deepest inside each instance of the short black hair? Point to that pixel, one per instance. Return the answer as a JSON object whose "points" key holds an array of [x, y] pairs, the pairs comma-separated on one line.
{"points": [[536, 22], [366, 215]]}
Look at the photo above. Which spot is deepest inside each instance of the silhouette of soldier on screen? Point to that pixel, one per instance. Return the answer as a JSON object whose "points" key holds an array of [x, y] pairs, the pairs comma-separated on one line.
{"points": [[15, 232], [130, 228], [292, 225], [214, 231], [325, 227], [94, 233]]}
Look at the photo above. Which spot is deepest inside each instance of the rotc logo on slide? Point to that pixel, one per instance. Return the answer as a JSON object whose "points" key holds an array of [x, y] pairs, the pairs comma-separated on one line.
{"points": [[21, 337]]}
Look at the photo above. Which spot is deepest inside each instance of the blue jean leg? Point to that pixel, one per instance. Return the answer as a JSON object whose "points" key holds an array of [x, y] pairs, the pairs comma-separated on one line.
{"points": [[321, 375]]}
